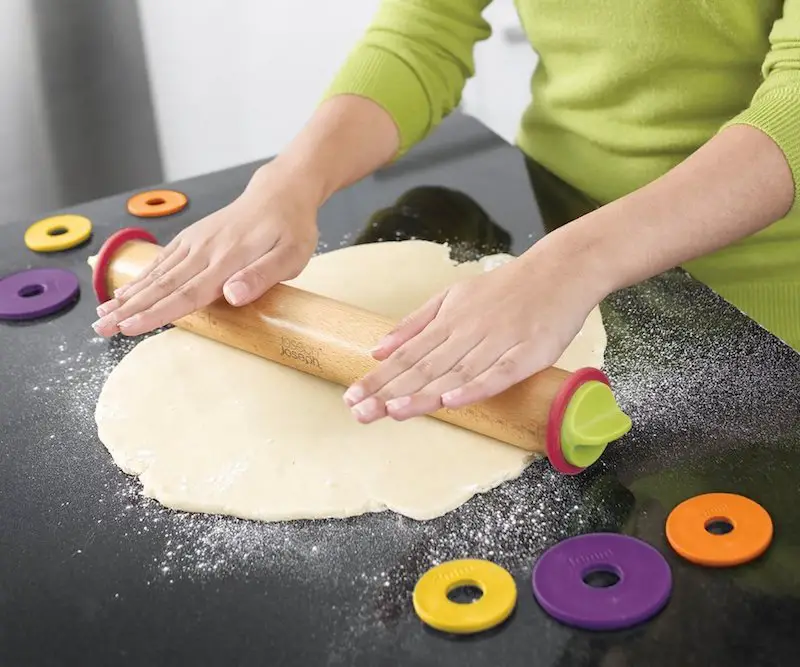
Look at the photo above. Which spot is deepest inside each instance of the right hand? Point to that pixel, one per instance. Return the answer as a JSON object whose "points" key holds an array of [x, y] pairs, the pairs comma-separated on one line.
{"points": [[265, 236]]}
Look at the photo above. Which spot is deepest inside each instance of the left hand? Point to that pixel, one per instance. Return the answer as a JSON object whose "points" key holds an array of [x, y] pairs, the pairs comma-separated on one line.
{"points": [[478, 338]]}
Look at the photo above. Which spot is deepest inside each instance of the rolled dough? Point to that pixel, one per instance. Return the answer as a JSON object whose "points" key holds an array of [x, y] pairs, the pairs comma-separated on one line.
{"points": [[208, 428]]}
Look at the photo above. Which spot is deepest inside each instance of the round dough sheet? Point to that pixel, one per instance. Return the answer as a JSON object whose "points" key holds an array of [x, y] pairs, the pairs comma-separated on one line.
{"points": [[208, 428]]}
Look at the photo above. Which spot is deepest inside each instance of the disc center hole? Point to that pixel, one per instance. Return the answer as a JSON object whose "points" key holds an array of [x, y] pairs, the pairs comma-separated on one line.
{"points": [[57, 231], [601, 577], [156, 201], [719, 525], [31, 290], [465, 593]]}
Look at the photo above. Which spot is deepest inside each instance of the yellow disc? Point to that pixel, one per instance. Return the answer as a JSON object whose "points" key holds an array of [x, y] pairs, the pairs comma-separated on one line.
{"points": [[61, 232], [492, 608]]}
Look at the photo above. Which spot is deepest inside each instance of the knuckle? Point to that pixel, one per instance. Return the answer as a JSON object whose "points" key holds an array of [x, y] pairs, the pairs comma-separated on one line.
{"points": [[506, 366], [157, 272], [187, 294], [401, 356], [462, 370], [164, 283], [424, 368], [159, 258], [253, 276], [131, 289]]}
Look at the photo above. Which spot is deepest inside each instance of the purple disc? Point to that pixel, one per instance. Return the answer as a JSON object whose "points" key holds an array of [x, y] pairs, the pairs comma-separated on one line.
{"points": [[36, 292], [643, 581]]}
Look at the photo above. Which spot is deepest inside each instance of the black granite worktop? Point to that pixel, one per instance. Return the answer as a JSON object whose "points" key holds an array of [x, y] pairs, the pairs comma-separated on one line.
{"points": [[93, 574]]}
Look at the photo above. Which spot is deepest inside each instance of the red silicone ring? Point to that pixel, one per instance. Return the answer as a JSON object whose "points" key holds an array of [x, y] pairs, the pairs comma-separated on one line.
{"points": [[556, 418], [107, 250]]}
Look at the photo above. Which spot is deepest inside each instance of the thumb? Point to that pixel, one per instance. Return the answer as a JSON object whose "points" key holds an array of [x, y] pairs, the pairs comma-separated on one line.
{"points": [[408, 327], [251, 282]]}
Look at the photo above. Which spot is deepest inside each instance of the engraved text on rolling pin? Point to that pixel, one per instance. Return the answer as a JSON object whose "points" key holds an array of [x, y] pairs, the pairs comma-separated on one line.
{"points": [[295, 349]]}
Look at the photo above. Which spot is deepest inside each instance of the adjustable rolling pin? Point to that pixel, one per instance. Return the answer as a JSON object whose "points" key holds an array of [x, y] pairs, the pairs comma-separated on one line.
{"points": [[569, 417]]}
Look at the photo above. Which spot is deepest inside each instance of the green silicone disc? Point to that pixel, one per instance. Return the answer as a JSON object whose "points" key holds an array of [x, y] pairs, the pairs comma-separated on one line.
{"points": [[592, 420]]}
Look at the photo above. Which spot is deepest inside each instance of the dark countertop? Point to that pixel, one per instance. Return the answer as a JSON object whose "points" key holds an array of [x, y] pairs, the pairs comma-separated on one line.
{"points": [[92, 574]]}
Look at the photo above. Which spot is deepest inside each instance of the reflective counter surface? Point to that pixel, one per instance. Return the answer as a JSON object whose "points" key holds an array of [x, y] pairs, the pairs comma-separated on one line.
{"points": [[93, 574]]}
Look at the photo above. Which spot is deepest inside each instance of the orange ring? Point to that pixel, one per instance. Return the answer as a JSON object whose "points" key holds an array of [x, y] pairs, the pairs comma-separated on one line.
{"points": [[749, 537], [157, 203]]}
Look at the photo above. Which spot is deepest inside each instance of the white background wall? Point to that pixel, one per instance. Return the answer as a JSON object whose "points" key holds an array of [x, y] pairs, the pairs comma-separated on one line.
{"points": [[233, 81]]}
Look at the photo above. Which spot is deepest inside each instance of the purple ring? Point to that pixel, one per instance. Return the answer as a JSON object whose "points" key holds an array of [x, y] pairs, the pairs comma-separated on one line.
{"points": [[34, 293], [643, 588]]}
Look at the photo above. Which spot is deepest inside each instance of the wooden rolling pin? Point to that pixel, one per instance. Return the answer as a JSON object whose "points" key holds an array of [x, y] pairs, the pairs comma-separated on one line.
{"points": [[331, 340]]}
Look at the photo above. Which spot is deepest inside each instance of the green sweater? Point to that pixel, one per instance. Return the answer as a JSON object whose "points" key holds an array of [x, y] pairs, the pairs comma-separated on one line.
{"points": [[623, 92]]}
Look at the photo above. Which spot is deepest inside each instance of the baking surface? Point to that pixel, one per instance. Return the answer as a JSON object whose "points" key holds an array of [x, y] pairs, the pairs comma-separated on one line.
{"points": [[92, 574]]}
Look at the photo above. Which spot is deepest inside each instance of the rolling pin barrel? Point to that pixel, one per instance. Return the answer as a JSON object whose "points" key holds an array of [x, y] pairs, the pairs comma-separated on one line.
{"points": [[567, 416]]}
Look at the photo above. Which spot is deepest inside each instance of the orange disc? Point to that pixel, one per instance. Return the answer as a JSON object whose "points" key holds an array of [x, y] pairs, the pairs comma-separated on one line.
{"points": [[155, 203], [719, 529]]}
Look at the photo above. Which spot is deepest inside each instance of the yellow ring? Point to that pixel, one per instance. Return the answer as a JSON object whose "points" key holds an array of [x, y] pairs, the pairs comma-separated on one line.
{"points": [[492, 608], [61, 232]]}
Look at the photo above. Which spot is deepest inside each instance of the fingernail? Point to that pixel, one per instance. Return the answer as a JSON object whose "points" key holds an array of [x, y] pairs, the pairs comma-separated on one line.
{"points": [[384, 342], [353, 395], [96, 326], [107, 307], [398, 403], [102, 322], [365, 409], [450, 397], [235, 293], [130, 322]]}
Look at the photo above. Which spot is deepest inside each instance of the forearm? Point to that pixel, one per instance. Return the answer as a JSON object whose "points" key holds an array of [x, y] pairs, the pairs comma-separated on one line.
{"points": [[734, 186], [404, 76], [347, 138]]}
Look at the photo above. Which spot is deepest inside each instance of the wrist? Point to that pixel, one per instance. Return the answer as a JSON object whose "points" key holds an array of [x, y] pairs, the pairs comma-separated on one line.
{"points": [[288, 178], [311, 173], [578, 252]]}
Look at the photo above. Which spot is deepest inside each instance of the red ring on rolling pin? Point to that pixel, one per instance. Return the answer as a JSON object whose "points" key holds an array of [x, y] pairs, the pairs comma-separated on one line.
{"points": [[107, 251], [557, 411]]}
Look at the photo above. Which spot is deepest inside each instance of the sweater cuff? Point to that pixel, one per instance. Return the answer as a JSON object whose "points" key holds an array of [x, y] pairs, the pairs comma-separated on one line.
{"points": [[777, 114], [384, 78]]}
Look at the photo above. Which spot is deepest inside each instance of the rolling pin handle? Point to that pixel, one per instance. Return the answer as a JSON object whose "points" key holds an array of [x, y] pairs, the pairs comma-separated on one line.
{"points": [[584, 418], [102, 261]]}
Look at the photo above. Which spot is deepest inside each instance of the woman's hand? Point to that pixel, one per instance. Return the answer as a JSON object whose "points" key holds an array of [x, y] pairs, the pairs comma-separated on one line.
{"points": [[265, 236], [479, 337]]}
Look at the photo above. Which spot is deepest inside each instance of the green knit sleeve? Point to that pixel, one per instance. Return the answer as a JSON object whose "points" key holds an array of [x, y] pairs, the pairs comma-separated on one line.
{"points": [[414, 61], [775, 107]]}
